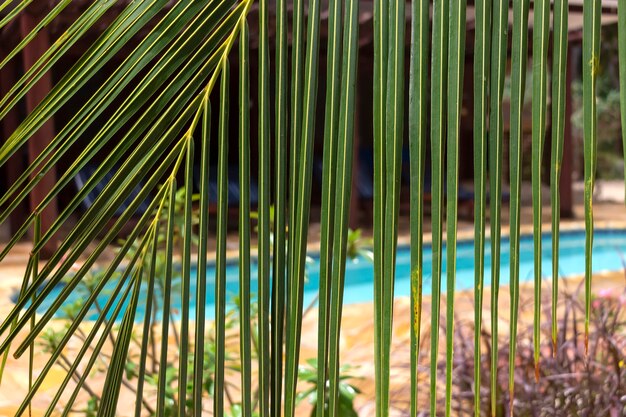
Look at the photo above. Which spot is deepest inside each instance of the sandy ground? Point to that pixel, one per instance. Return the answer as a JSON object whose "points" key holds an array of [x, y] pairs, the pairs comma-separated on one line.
{"points": [[357, 322]]}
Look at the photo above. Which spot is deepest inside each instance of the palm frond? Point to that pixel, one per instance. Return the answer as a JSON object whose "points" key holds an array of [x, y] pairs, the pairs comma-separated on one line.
{"points": [[280, 213], [418, 107], [394, 136], [541, 23], [220, 254], [299, 224], [139, 102], [184, 48], [437, 145], [499, 42], [327, 214], [591, 64], [167, 294], [42, 24], [456, 66], [482, 45], [244, 220], [158, 110], [143, 355], [518, 82], [131, 20], [14, 10], [345, 139], [264, 214], [378, 117], [559, 68]]}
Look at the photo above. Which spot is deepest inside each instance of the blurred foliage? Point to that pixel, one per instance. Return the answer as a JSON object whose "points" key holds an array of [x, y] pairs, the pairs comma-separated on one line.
{"points": [[610, 155], [359, 246], [347, 392], [571, 382]]}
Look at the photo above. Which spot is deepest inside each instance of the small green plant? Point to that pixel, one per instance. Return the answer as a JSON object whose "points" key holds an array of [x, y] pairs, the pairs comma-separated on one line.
{"points": [[347, 391], [49, 340], [359, 246]]}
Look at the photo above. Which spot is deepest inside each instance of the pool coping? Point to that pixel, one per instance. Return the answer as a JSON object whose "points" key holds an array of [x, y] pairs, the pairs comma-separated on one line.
{"points": [[463, 236]]}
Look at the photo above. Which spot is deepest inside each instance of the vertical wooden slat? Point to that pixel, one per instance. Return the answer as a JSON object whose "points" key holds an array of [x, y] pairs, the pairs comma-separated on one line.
{"points": [[45, 133], [14, 165], [621, 36]]}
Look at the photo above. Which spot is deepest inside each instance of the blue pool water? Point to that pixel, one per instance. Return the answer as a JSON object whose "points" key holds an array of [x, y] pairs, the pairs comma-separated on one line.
{"points": [[609, 244]]}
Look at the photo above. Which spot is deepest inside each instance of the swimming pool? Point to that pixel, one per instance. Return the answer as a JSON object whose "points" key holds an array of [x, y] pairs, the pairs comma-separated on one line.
{"points": [[608, 245]]}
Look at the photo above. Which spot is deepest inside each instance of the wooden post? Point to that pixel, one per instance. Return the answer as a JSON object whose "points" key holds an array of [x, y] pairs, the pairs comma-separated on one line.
{"points": [[354, 218], [45, 134], [15, 164]]}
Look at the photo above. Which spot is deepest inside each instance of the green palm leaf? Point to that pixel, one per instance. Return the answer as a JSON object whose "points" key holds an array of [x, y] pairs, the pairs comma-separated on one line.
{"points": [[499, 42], [280, 212], [14, 10], [56, 51], [456, 61], [327, 215], [176, 105], [220, 255], [591, 64], [559, 68], [136, 16], [300, 222], [27, 276], [418, 107], [151, 72], [112, 384], [132, 103], [167, 293], [541, 25], [244, 220], [42, 24], [343, 192], [264, 214], [437, 135], [292, 308], [378, 117], [518, 83], [394, 136], [482, 44], [141, 373]]}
